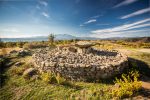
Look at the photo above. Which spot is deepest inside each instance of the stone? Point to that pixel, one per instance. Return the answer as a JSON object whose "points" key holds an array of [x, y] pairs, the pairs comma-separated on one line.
{"points": [[87, 63], [23, 53], [29, 72], [83, 44], [13, 51], [18, 64], [72, 49]]}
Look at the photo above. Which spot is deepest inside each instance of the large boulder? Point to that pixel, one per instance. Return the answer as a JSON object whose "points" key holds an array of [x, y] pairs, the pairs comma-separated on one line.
{"points": [[84, 44]]}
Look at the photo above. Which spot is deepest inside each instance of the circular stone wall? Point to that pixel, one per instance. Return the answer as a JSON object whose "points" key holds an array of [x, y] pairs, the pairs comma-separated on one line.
{"points": [[96, 65]]}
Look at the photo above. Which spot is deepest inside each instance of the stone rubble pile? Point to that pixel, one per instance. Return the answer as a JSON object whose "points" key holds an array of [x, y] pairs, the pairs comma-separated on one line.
{"points": [[97, 64]]}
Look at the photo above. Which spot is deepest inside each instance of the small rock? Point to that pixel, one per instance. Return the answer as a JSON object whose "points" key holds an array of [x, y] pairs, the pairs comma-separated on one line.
{"points": [[18, 64], [13, 51], [29, 72]]}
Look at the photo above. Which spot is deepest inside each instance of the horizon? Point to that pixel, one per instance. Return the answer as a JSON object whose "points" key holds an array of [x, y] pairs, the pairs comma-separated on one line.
{"points": [[80, 18]]}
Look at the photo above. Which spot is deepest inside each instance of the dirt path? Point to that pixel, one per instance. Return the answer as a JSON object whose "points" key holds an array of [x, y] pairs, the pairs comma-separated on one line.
{"points": [[143, 50]]}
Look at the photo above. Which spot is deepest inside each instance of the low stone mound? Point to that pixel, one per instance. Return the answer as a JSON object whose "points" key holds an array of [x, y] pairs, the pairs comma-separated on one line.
{"points": [[94, 65]]}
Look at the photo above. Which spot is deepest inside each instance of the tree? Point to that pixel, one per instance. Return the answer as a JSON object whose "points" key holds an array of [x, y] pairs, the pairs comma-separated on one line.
{"points": [[1, 43], [51, 38]]}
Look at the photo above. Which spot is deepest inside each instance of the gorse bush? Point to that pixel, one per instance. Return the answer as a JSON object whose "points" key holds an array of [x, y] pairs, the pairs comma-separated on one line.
{"points": [[128, 85], [61, 80], [54, 79], [48, 77]]}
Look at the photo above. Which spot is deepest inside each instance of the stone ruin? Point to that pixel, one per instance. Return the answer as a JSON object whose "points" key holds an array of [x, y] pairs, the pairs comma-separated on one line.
{"points": [[80, 62]]}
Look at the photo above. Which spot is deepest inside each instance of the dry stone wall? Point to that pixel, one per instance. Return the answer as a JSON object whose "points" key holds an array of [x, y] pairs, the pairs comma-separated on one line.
{"points": [[97, 64]]}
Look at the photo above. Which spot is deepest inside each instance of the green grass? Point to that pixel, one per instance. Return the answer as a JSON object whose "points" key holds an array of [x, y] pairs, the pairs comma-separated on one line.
{"points": [[18, 88]]}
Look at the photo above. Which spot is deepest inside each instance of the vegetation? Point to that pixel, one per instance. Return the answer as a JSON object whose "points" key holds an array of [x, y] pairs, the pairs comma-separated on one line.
{"points": [[51, 86], [51, 39], [128, 85], [34, 45]]}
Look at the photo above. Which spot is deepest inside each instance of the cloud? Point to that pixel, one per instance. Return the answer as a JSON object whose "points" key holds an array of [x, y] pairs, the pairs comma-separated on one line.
{"points": [[45, 14], [44, 3], [97, 16], [139, 12], [81, 25], [90, 21], [14, 30], [123, 34], [123, 27], [124, 3]]}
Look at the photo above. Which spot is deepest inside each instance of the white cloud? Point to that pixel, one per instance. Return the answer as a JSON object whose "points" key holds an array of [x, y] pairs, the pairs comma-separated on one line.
{"points": [[15, 30], [45, 14], [124, 3], [44, 3], [122, 27], [139, 26], [123, 34], [97, 16], [90, 21], [139, 12], [81, 25]]}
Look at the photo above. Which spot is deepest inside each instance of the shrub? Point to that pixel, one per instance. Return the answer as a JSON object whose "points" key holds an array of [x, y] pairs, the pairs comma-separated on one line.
{"points": [[48, 77], [61, 80], [52, 78], [128, 84], [34, 45]]}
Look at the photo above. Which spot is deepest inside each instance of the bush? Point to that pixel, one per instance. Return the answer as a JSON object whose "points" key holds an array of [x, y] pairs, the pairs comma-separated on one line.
{"points": [[128, 85], [61, 80], [34, 45], [48, 77], [52, 78]]}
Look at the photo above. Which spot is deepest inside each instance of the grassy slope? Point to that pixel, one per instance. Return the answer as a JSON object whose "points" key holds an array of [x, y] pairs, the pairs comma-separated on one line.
{"points": [[17, 88]]}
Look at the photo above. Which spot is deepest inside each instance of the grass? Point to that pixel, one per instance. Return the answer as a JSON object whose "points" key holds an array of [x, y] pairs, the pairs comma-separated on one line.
{"points": [[16, 87]]}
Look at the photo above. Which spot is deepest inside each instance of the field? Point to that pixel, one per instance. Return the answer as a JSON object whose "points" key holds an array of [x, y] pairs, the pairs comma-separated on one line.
{"points": [[15, 87]]}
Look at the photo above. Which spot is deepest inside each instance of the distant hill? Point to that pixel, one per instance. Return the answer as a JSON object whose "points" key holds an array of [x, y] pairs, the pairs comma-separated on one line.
{"points": [[139, 39], [64, 37], [45, 38], [69, 37]]}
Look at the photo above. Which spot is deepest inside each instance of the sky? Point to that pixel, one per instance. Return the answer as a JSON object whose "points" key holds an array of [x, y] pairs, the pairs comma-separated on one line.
{"points": [[82, 18]]}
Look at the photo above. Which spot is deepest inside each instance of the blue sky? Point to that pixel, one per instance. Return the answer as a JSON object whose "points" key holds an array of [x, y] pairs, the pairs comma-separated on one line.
{"points": [[92, 18]]}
